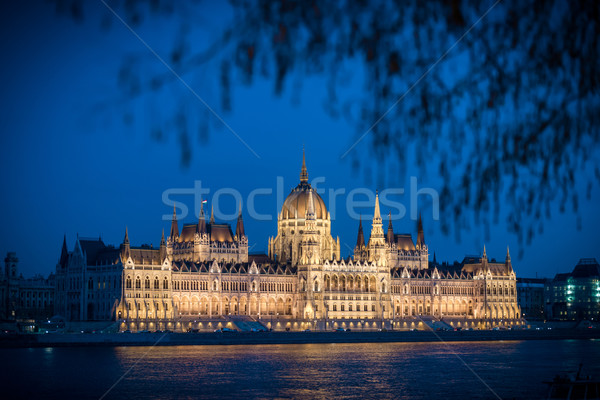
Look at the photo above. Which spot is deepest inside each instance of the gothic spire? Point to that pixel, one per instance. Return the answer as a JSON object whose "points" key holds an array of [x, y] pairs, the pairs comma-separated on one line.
{"points": [[377, 214], [64, 253], [377, 226], [212, 214], [390, 232], [163, 247], [174, 226], [360, 240], [201, 220], [303, 171], [239, 229], [484, 253], [125, 248], [420, 235]]}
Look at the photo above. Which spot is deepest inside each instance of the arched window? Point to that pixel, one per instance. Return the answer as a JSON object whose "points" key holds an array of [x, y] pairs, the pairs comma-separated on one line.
{"points": [[156, 283], [165, 283], [90, 284], [316, 286], [147, 283], [128, 283], [138, 283]]}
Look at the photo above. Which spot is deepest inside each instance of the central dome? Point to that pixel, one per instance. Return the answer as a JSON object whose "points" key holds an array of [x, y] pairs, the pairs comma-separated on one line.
{"points": [[296, 203], [297, 200]]}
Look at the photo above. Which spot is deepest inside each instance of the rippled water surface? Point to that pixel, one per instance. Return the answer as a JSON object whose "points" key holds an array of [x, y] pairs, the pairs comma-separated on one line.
{"points": [[484, 370]]}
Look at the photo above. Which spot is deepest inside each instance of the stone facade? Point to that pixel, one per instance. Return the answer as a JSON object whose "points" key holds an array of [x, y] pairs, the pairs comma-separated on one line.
{"points": [[204, 272]]}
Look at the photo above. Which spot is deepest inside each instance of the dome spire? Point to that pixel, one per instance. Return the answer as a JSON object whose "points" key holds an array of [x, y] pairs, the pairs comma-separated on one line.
{"points": [[303, 171]]}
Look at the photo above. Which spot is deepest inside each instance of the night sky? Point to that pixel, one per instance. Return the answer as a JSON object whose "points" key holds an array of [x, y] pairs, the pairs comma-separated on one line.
{"points": [[71, 165]]}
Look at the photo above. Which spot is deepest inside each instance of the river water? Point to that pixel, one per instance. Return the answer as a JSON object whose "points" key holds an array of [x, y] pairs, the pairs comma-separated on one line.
{"points": [[474, 370]]}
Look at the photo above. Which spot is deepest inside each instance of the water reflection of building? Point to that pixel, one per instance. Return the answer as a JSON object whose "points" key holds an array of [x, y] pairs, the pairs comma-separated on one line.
{"points": [[204, 272], [24, 300], [575, 295]]}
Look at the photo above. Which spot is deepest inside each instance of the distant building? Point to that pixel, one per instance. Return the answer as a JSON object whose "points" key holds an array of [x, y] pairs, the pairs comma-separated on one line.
{"points": [[24, 298], [575, 295], [531, 297]]}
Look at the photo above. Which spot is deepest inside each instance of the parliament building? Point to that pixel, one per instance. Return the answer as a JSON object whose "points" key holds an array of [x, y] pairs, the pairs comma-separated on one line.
{"points": [[202, 277]]}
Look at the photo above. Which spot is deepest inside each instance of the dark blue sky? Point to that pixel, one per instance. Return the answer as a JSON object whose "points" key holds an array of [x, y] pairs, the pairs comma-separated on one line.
{"points": [[70, 165]]}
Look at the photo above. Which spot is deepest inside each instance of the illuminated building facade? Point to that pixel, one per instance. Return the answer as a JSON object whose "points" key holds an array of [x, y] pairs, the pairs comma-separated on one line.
{"points": [[204, 273]]}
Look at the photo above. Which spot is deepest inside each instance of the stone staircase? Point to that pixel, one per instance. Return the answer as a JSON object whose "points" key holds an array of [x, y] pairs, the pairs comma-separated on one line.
{"points": [[246, 323], [434, 323]]}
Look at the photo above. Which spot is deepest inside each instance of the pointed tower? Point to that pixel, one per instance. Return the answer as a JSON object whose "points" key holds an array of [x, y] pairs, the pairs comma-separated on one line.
{"points": [[484, 258], [360, 240], [125, 247], [377, 213], [64, 254], [163, 247], [376, 246], [390, 231], [359, 249], [508, 263], [377, 227], [239, 229], [303, 171], [420, 235], [201, 221], [212, 214], [174, 227]]}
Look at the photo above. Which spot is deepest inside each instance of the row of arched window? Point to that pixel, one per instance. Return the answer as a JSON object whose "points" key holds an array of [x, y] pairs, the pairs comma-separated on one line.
{"points": [[276, 287], [103, 283], [147, 285], [350, 307], [500, 291]]}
